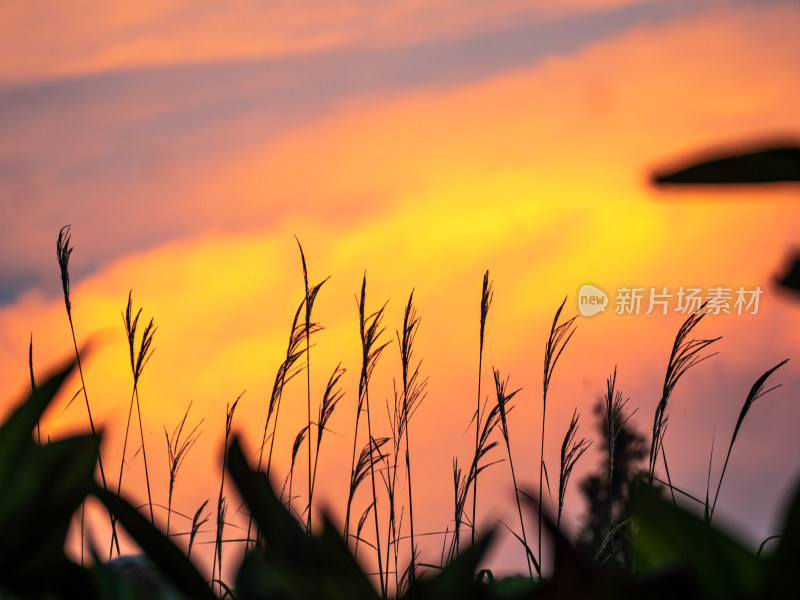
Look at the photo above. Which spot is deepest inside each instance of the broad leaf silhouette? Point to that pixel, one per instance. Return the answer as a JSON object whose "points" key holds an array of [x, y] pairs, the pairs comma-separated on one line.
{"points": [[751, 166]]}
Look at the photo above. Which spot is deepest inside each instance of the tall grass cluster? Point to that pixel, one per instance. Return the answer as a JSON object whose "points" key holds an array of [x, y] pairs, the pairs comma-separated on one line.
{"points": [[379, 524]]}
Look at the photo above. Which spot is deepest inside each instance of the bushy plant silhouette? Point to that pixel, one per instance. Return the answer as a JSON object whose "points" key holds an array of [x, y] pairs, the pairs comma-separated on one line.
{"points": [[610, 503]]}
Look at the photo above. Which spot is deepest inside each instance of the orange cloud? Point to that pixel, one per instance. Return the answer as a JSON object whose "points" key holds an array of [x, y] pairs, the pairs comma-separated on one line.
{"points": [[612, 110]]}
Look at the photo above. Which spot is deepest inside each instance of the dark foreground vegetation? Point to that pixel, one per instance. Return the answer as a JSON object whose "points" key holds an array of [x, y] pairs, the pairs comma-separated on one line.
{"points": [[666, 551]]}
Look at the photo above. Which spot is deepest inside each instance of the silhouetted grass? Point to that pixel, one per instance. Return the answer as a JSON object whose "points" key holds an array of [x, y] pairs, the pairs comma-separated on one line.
{"points": [[615, 422], [310, 296], [503, 407], [139, 358], [177, 450], [330, 399], [63, 254], [371, 329], [686, 353], [556, 342], [221, 501], [756, 392], [197, 522], [486, 302], [370, 455], [413, 395], [33, 385], [571, 451], [287, 370], [463, 482], [386, 455], [298, 441]]}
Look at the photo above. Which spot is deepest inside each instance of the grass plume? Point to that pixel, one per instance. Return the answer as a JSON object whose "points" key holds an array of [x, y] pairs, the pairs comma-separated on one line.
{"points": [[222, 510], [556, 342], [413, 395], [572, 449], [138, 360], [197, 522], [370, 455], [463, 483], [310, 296], [221, 503], [686, 353], [63, 253], [756, 392], [330, 399], [177, 449], [287, 370], [486, 302], [503, 399], [298, 441], [615, 422], [371, 329]]}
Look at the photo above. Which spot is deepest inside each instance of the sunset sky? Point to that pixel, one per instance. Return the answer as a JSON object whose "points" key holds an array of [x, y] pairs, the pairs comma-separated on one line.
{"points": [[423, 143]]}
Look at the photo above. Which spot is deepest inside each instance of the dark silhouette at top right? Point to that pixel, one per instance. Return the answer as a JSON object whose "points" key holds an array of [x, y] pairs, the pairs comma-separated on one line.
{"points": [[766, 163]]}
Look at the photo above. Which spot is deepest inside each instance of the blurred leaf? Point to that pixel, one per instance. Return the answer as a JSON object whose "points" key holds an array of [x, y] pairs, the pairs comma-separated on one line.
{"points": [[791, 278], [520, 586], [16, 434], [766, 165], [132, 577], [42, 486], [789, 544], [457, 579], [108, 581], [44, 490], [784, 561], [167, 557], [290, 563], [666, 537], [277, 527]]}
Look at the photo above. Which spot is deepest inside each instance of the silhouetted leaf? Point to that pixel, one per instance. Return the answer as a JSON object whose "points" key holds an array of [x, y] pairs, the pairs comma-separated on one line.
{"points": [[783, 562], [665, 537], [290, 563], [111, 583], [791, 278], [16, 434], [457, 579], [765, 165], [42, 486], [167, 557]]}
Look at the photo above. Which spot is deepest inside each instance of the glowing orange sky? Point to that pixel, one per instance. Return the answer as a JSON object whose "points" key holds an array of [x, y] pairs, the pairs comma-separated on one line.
{"points": [[187, 146]]}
